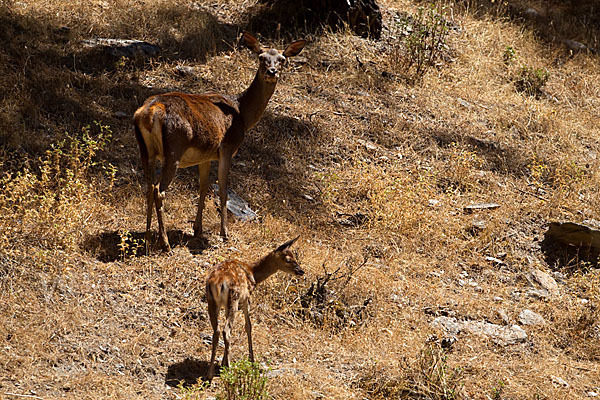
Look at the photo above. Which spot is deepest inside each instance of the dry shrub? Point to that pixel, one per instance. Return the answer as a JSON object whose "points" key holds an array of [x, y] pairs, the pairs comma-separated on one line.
{"points": [[46, 204], [577, 328], [428, 377]]}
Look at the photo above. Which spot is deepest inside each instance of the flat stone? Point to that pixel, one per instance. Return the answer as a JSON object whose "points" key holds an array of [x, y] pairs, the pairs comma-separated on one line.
{"points": [[545, 281], [573, 234], [480, 206], [528, 317], [236, 205], [574, 45], [502, 335], [124, 47]]}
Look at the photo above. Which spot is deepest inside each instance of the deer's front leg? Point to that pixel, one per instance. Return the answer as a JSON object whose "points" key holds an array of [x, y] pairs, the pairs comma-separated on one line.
{"points": [[224, 166], [149, 173]]}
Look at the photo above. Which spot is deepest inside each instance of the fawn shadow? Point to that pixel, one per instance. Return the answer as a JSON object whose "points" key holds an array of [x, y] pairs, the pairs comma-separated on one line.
{"points": [[187, 371], [117, 245]]}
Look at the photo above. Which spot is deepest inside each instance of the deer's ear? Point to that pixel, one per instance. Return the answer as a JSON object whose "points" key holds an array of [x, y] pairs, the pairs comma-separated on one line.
{"points": [[294, 48], [251, 42], [287, 244]]}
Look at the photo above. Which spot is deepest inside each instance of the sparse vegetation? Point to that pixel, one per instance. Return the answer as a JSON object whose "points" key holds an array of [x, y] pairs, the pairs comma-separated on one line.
{"points": [[244, 380], [425, 41], [531, 80], [370, 162]]}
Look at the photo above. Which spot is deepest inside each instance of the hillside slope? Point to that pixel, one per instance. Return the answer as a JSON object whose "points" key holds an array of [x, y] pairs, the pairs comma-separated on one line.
{"points": [[370, 164]]}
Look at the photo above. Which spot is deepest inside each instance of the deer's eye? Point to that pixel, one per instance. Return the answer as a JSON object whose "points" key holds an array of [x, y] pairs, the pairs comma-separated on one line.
{"points": [[288, 259]]}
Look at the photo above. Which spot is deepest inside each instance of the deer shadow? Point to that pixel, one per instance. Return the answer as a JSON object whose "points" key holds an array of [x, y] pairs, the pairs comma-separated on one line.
{"points": [[118, 245], [187, 372]]}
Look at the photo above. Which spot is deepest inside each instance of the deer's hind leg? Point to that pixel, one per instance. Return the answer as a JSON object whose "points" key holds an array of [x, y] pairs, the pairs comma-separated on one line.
{"points": [[203, 172], [232, 307], [213, 314], [245, 308]]}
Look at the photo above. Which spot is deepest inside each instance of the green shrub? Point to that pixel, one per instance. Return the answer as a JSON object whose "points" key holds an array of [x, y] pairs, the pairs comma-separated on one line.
{"points": [[531, 80], [243, 380], [425, 40]]}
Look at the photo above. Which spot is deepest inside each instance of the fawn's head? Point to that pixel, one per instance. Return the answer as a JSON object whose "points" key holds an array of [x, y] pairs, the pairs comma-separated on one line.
{"points": [[285, 259], [271, 60]]}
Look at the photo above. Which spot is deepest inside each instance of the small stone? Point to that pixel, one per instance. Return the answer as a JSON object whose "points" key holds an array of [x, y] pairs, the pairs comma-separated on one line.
{"points": [[558, 381], [528, 317], [592, 394], [121, 114], [503, 316], [480, 206], [464, 103], [495, 260], [184, 70], [538, 294], [545, 281], [574, 45], [308, 197]]}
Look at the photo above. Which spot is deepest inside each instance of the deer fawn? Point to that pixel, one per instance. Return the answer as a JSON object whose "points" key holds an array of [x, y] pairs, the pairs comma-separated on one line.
{"points": [[230, 285], [182, 130]]}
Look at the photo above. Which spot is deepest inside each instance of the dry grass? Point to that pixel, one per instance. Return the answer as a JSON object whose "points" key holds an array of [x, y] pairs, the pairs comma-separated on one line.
{"points": [[389, 166]]}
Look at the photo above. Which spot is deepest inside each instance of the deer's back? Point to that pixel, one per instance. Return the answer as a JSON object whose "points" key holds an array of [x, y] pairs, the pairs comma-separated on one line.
{"points": [[197, 123], [233, 276]]}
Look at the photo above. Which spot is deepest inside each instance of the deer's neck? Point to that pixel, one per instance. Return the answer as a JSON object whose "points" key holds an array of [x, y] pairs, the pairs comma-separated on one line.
{"points": [[253, 101], [263, 269]]}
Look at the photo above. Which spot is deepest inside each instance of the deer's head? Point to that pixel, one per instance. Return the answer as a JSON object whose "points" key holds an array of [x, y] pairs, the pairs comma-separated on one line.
{"points": [[286, 259], [271, 60]]}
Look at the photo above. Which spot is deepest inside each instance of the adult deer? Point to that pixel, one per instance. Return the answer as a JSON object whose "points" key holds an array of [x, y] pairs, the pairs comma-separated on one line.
{"points": [[230, 285], [182, 130]]}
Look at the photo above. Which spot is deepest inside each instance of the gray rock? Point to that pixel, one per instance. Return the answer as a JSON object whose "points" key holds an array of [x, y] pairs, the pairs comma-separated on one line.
{"points": [[545, 281], [184, 70], [532, 13], [575, 46], [480, 206], [236, 205], [538, 294], [502, 335], [573, 234], [124, 47], [528, 317]]}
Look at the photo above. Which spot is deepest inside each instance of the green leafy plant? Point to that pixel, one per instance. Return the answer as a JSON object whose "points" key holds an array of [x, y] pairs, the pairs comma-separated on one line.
{"points": [[191, 392], [510, 55], [129, 246], [531, 80], [426, 34], [243, 380], [497, 390]]}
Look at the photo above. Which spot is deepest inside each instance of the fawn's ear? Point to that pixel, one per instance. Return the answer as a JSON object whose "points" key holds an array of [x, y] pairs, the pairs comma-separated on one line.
{"points": [[251, 42], [294, 48], [287, 244]]}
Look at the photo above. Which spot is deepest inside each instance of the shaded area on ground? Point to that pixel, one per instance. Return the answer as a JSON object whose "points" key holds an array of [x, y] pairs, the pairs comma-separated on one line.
{"points": [[187, 371], [118, 245]]}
